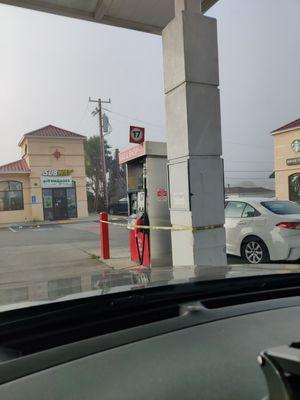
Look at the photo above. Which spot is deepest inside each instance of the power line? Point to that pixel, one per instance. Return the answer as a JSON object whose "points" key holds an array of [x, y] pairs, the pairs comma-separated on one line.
{"points": [[252, 172], [248, 162], [128, 117], [245, 144], [132, 118], [244, 178], [84, 114]]}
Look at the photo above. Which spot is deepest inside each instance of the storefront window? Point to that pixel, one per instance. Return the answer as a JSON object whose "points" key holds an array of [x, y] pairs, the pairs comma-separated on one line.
{"points": [[11, 196], [48, 204], [294, 187], [13, 185], [71, 199], [60, 203]]}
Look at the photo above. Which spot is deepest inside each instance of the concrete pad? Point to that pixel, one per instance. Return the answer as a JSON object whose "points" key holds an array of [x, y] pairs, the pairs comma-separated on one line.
{"points": [[120, 258]]}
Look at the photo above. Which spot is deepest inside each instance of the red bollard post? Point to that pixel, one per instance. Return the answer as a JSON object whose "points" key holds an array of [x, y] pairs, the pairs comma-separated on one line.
{"points": [[104, 236]]}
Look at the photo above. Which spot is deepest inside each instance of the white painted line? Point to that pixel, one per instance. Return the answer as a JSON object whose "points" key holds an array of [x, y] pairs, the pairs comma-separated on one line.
{"points": [[11, 229], [41, 229]]}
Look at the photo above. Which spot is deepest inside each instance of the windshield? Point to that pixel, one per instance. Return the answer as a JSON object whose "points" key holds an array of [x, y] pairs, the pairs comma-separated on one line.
{"points": [[282, 207], [114, 168]]}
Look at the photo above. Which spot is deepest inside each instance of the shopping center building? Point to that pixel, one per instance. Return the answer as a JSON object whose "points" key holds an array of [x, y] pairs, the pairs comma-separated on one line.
{"points": [[48, 182], [287, 161]]}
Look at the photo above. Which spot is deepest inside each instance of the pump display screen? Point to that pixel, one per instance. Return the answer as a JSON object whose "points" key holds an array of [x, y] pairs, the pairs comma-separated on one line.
{"points": [[135, 176], [141, 201], [133, 203]]}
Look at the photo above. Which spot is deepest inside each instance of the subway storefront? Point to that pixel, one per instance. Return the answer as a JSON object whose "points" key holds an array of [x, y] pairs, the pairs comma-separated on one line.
{"points": [[287, 161], [59, 195], [48, 182]]}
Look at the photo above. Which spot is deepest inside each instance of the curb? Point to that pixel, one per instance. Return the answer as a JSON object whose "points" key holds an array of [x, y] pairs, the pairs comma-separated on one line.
{"points": [[47, 223]]}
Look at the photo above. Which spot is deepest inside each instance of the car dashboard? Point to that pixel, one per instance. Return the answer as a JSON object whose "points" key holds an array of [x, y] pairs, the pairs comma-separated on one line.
{"points": [[194, 350]]}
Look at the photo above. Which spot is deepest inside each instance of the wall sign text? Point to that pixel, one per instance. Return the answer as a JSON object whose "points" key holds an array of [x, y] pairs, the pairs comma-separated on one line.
{"points": [[48, 182], [293, 161], [57, 172]]}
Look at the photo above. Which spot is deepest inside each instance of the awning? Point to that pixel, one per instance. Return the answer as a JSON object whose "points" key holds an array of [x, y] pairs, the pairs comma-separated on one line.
{"points": [[143, 15]]}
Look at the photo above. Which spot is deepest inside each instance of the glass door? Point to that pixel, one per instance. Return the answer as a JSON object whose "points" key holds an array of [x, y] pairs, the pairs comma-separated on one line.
{"points": [[48, 204], [294, 187], [72, 202], [60, 206]]}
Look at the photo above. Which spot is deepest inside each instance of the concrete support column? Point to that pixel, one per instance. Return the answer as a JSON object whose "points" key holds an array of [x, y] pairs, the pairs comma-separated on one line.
{"points": [[194, 136]]}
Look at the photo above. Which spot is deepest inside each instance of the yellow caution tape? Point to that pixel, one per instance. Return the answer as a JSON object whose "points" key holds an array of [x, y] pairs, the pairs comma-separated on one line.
{"points": [[165, 228], [118, 218]]}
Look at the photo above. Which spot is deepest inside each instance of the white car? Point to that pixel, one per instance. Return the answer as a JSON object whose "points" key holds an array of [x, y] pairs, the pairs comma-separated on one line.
{"points": [[261, 229]]}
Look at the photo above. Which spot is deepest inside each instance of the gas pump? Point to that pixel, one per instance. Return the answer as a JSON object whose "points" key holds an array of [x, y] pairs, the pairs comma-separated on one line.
{"points": [[146, 168], [139, 237]]}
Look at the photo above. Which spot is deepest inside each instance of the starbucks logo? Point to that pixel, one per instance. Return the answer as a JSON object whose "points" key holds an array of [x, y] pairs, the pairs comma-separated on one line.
{"points": [[296, 145]]}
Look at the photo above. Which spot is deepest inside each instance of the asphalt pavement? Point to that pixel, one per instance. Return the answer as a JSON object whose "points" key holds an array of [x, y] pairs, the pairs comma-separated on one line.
{"points": [[57, 257], [53, 260]]}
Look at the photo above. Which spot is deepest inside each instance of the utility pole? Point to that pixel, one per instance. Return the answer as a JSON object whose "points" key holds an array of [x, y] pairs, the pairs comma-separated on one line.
{"points": [[98, 110]]}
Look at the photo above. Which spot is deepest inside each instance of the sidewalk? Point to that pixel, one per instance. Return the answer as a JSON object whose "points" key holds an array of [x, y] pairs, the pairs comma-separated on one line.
{"points": [[119, 258], [90, 218]]}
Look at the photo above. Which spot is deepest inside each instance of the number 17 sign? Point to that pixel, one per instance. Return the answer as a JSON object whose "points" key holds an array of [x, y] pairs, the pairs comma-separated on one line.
{"points": [[136, 134]]}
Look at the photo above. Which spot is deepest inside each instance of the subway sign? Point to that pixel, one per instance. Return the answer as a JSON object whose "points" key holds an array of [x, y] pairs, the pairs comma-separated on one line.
{"points": [[57, 172], [49, 182]]}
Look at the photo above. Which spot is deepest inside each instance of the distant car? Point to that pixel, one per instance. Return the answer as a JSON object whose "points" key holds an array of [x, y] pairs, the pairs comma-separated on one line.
{"points": [[120, 207], [262, 229]]}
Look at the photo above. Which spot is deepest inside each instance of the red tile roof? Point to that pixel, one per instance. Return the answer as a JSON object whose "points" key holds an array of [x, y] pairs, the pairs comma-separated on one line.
{"points": [[16, 166], [53, 131], [291, 125]]}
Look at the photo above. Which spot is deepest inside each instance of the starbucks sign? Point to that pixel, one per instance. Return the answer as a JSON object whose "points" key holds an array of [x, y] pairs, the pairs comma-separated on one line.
{"points": [[296, 145], [49, 182]]}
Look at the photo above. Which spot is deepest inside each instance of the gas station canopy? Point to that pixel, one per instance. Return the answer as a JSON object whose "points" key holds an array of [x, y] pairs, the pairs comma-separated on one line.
{"points": [[143, 15]]}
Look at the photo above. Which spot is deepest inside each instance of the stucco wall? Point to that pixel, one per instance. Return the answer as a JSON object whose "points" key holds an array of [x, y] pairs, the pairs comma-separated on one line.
{"points": [[39, 158], [7, 217], [283, 151], [40, 155]]}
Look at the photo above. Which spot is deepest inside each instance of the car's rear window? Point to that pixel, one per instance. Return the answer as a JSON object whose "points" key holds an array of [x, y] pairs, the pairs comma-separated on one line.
{"points": [[282, 207]]}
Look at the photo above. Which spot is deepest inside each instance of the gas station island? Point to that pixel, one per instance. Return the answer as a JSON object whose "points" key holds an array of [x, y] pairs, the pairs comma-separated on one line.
{"points": [[146, 170], [194, 146]]}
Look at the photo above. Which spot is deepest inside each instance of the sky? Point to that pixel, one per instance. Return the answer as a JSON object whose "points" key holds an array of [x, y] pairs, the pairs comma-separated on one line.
{"points": [[50, 65]]}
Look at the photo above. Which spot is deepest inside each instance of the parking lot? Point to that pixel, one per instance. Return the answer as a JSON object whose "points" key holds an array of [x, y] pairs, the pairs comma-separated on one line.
{"points": [[38, 263], [60, 259]]}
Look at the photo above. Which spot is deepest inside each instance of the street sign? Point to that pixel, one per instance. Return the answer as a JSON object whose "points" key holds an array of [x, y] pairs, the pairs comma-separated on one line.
{"points": [[33, 199], [136, 134]]}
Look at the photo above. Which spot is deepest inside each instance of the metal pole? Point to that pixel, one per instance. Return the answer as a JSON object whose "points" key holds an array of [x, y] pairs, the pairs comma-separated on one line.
{"points": [[102, 157], [102, 149], [104, 236]]}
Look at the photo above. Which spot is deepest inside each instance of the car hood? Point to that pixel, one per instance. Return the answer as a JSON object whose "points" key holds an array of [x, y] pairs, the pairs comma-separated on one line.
{"points": [[115, 281]]}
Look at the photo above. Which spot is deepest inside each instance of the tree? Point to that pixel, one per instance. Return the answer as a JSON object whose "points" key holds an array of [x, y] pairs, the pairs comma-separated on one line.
{"points": [[117, 187], [92, 167]]}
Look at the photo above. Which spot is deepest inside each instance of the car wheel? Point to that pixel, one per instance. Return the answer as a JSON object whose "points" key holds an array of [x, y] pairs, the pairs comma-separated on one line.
{"points": [[111, 211], [254, 251]]}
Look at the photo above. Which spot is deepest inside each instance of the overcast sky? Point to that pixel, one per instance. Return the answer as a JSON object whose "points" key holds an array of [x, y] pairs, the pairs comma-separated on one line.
{"points": [[50, 65]]}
